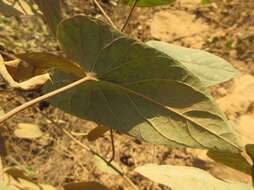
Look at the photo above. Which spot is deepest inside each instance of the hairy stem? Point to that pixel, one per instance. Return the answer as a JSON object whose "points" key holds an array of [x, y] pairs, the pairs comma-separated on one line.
{"points": [[44, 97]]}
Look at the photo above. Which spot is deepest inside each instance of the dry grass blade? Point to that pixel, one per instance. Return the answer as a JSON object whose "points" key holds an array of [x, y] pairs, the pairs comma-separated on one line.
{"points": [[104, 13]]}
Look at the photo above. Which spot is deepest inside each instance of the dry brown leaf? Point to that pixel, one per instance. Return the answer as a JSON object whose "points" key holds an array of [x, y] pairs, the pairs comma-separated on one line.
{"points": [[96, 133], [28, 131], [30, 84]]}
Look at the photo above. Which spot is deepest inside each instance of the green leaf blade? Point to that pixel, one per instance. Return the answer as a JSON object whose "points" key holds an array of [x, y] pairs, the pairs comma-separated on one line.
{"points": [[140, 91], [209, 68]]}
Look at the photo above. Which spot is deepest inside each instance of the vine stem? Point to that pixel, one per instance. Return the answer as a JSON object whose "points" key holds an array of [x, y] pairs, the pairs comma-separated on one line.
{"points": [[130, 14], [44, 97], [104, 13], [134, 187], [112, 145]]}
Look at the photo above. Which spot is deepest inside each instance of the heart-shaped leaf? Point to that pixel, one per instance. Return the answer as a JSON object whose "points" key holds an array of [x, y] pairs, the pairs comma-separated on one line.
{"points": [[209, 68], [184, 178], [151, 3], [138, 90]]}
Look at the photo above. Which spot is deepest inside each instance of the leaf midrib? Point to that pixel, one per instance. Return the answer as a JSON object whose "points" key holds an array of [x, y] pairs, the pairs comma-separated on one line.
{"points": [[174, 111], [138, 112]]}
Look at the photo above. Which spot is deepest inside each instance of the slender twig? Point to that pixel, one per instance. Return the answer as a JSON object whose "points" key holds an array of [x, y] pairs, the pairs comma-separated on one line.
{"points": [[44, 97], [130, 14], [112, 145], [104, 13], [108, 163]]}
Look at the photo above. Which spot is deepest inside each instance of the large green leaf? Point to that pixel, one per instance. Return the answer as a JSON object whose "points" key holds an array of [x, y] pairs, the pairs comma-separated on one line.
{"points": [[185, 178], [151, 3], [52, 12], [139, 90], [210, 68]]}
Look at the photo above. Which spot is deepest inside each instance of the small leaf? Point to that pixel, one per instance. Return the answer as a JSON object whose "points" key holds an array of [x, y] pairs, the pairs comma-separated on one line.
{"points": [[236, 161], [36, 63], [28, 131], [209, 68], [103, 166], [250, 150], [91, 185], [205, 2], [51, 10], [137, 90], [15, 179], [151, 3], [96, 133], [30, 84], [184, 178]]}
